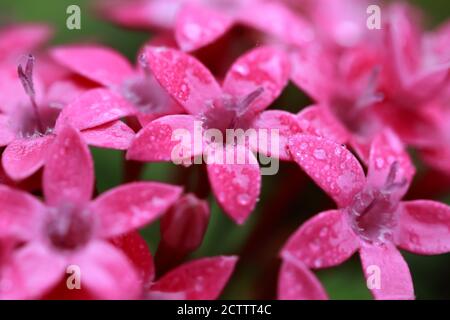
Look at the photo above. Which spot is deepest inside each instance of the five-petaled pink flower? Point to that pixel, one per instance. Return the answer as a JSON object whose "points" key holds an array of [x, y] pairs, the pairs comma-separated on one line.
{"points": [[370, 217], [251, 85], [70, 229]]}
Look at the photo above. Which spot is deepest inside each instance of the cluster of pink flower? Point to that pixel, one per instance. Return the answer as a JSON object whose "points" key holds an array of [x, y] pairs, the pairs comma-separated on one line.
{"points": [[377, 91]]}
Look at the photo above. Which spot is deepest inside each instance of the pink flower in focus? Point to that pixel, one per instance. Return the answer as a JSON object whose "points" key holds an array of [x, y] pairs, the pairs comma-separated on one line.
{"points": [[370, 217], [252, 83], [109, 69], [29, 121], [70, 229]]}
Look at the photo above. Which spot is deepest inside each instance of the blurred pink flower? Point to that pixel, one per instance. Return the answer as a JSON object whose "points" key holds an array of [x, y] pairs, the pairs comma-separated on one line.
{"points": [[370, 217], [70, 229]]}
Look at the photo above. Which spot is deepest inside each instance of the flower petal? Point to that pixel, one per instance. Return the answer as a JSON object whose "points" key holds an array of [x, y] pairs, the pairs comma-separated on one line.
{"points": [[20, 39], [332, 166], [19, 214], [323, 241], [137, 251], [386, 150], [202, 279], [112, 135], [69, 170], [23, 157], [184, 77], [312, 71], [97, 63], [264, 67], [160, 139], [297, 282], [31, 272], [132, 206], [94, 108], [424, 227], [236, 185], [386, 262], [318, 120], [7, 134], [198, 26], [274, 122], [107, 273], [284, 24]]}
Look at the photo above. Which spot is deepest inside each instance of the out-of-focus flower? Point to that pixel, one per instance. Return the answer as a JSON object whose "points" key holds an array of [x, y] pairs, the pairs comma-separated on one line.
{"points": [[252, 83], [370, 216], [70, 229]]}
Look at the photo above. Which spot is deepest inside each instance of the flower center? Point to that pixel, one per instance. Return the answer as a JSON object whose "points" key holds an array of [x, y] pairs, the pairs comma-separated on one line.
{"points": [[373, 211], [69, 227], [230, 113]]}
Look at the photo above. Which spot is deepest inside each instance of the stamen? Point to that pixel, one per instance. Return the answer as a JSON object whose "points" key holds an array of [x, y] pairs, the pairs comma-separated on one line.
{"points": [[26, 78], [242, 106]]}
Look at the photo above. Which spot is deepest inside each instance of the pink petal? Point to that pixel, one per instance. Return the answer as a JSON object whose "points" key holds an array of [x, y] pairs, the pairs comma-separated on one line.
{"points": [[263, 67], [19, 213], [287, 126], [284, 24], [159, 14], [132, 206], [202, 279], [311, 71], [332, 166], [31, 272], [94, 108], [297, 282], [21, 39], [107, 273], [385, 150], [160, 139], [424, 227], [198, 26], [7, 133], [69, 172], [112, 135], [23, 157], [323, 241], [97, 63], [137, 251], [236, 185], [395, 278], [184, 78], [318, 120]]}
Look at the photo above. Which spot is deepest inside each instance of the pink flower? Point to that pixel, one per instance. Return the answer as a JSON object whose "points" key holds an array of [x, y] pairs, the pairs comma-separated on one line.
{"points": [[252, 83], [109, 69], [200, 23], [370, 217], [202, 279], [70, 229], [29, 121]]}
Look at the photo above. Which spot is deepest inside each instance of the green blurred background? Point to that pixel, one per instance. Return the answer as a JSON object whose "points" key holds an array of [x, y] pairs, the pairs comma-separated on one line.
{"points": [[260, 239]]}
